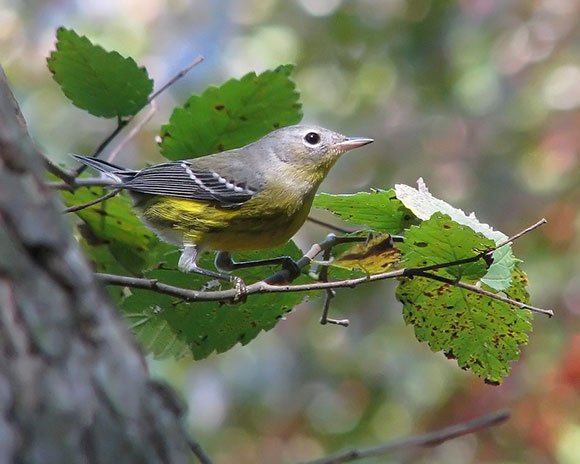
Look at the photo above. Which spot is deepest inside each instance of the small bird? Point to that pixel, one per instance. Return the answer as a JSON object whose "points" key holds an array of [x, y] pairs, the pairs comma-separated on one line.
{"points": [[248, 198]]}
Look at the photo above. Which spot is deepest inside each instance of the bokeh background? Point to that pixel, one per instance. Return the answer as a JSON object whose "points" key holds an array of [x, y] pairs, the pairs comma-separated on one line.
{"points": [[479, 97]]}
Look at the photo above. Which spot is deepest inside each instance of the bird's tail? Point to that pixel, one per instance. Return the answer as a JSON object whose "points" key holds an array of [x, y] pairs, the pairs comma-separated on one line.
{"points": [[116, 173]]}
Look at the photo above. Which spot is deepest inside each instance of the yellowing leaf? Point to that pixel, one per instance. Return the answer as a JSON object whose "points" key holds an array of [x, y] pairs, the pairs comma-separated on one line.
{"points": [[374, 256]]}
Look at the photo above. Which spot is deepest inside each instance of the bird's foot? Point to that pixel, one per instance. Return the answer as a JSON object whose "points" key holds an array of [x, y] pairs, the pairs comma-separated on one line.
{"points": [[241, 291]]}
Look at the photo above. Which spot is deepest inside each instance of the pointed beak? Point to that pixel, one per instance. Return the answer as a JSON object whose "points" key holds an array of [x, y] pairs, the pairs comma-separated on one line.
{"points": [[351, 143]]}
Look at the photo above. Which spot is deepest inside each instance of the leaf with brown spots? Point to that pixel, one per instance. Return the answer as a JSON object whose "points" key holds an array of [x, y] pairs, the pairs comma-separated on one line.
{"points": [[484, 335], [441, 240], [423, 205], [232, 115]]}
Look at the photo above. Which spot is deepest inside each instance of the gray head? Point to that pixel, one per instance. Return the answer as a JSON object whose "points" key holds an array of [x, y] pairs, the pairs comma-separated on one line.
{"points": [[310, 147]]}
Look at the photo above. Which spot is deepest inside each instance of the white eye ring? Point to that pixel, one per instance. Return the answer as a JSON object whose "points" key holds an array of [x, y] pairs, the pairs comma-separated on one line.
{"points": [[312, 138]]}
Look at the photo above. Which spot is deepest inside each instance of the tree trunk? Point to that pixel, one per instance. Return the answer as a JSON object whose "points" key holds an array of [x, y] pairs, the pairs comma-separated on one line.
{"points": [[73, 384]]}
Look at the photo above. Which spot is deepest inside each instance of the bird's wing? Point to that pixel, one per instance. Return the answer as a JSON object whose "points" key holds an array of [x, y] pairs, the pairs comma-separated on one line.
{"points": [[182, 180]]}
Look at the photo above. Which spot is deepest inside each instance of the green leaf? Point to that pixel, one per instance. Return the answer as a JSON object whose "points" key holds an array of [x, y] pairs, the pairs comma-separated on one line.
{"points": [[165, 324], [103, 83], [441, 240], [483, 334], [499, 274], [154, 333], [377, 210], [423, 205], [114, 226], [233, 115]]}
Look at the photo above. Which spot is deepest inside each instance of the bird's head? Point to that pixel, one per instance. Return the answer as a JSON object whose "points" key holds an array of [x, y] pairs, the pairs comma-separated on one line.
{"points": [[310, 148]]}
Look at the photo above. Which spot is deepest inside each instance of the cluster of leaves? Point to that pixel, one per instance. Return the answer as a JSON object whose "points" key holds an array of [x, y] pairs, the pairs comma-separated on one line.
{"points": [[482, 334]]}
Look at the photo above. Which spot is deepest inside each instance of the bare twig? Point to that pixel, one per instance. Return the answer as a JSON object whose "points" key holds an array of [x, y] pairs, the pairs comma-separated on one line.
{"points": [[175, 78], [269, 285], [198, 452], [484, 253], [329, 294], [265, 287], [133, 132], [83, 182], [106, 196], [330, 226], [122, 122], [425, 440], [61, 173], [513, 238], [481, 291]]}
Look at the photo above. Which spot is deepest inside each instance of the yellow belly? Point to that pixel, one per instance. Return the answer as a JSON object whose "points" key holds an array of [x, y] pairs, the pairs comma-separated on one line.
{"points": [[255, 225]]}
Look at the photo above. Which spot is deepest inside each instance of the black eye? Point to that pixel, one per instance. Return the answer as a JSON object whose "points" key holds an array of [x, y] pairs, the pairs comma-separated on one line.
{"points": [[312, 138]]}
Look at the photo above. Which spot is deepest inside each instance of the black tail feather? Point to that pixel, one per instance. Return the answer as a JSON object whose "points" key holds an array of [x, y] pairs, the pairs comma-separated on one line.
{"points": [[109, 169]]}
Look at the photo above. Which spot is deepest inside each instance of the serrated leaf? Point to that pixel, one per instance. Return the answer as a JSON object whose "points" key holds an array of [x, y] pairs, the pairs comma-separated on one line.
{"points": [[483, 334], [373, 256], [424, 205], [441, 240], [206, 327], [104, 83], [377, 210], [232, 115]]}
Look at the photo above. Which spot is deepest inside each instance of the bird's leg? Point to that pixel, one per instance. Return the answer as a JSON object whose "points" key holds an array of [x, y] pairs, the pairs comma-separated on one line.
{"points": [[225, 262], [188, 263]]}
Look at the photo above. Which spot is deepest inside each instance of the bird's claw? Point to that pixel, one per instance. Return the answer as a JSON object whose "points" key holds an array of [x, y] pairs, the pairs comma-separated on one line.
{"points": [[241, 291]]}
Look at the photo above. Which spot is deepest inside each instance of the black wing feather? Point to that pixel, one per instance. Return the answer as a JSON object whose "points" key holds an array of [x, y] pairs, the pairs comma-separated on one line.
{"points": [[180, 180]]}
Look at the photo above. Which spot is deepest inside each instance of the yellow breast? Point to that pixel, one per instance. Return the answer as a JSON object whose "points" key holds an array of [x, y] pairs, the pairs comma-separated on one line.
{"points": [[262, 222]]}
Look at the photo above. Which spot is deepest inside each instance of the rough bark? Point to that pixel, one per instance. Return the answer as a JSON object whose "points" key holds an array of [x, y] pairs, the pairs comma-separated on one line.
{"points": [[73, 384]]}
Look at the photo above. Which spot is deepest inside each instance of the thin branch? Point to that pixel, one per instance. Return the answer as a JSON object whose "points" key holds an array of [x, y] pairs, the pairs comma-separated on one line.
{"points": [[329, 242], [106, 196], [175, 78], [329, 294], [484, 253], [513, 238], [330, 226], [481, 291], [198, 452], [83, 182], [420, 441], [122, 122], [67, 176], [133, 132], [269, 285]]}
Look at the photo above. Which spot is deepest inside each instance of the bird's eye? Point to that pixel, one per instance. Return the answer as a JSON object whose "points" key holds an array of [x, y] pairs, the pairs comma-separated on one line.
{"points": [[312, 138]]}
